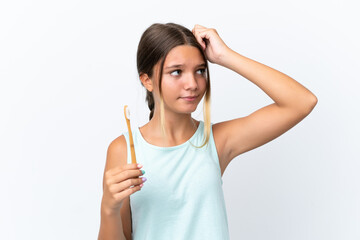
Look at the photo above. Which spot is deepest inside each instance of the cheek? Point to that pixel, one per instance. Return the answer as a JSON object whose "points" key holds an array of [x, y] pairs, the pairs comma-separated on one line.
{"points": [[203, 83], [170, 89]]}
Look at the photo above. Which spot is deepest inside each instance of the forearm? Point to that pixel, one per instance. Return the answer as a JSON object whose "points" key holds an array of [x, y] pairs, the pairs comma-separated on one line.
{"points": [[111, 226], [285, 91]]}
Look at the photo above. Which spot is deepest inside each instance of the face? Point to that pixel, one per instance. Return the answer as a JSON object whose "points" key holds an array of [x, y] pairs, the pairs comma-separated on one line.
{"points": [[184, 75]]}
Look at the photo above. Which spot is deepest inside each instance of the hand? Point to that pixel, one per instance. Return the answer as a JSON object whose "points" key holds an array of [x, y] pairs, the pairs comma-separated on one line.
{"points": [[117, 185], [212, 44]]}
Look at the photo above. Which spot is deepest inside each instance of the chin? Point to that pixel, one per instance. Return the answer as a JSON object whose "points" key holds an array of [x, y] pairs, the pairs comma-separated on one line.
{"points": [[184, 108], [189, 109]]}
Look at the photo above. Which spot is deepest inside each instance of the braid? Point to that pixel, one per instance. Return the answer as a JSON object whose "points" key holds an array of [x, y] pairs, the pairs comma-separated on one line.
{"points": [[150, 100]]}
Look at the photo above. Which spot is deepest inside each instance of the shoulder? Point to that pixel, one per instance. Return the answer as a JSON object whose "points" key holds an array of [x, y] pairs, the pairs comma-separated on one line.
{"points": [[118, 144], [116, 152]]}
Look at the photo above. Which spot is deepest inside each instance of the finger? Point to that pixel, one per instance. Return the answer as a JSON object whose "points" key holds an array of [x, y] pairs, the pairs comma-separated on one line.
{"points": [[123, 176], [199, 38], [117, 170], [196, 30], [197, 26], [205, 36], [127, 192], [122, 186], [208, 32]]}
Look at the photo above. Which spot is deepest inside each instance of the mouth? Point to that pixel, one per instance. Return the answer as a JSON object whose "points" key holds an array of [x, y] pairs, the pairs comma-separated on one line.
{"points": [[190, 98]]}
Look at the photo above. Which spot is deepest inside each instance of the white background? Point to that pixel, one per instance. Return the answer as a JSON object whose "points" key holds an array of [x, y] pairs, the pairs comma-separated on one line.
{"points": [[67, 68]]}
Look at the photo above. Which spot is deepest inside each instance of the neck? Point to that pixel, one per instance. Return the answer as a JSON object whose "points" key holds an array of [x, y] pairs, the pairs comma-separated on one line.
{"points": [[178, 127]]}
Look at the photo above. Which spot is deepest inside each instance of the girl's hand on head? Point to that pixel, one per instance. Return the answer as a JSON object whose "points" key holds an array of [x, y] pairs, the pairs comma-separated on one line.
{"points": [[212, 44]]}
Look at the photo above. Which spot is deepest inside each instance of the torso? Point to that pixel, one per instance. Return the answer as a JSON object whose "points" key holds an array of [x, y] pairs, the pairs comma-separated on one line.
{"points": [[219, 142]]}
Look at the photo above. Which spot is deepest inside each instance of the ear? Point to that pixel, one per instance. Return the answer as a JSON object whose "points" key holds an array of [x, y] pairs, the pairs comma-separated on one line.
{"points": [[146, 81]]}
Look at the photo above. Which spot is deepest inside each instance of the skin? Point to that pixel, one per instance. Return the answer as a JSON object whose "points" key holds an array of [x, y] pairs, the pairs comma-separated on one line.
{"points": [[183, 75], [292, 101]]}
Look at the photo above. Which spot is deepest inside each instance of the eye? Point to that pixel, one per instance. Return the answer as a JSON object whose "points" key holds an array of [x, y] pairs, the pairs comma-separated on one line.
{"points": [[175, 72], [201, 71]]}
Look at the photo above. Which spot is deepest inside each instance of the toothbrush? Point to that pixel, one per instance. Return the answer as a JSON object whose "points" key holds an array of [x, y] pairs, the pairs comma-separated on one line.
{"points": [[127, 117]]}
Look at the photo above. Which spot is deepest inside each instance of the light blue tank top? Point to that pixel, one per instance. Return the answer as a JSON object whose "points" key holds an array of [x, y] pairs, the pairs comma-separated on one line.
{"points": [[182, 198]]}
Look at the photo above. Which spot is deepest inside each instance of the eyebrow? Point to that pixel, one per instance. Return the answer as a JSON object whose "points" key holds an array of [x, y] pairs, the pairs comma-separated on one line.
{"points": [[181, 65]]}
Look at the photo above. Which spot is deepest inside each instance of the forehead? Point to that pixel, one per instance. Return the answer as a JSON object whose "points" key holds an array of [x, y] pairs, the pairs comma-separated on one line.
{"points": [[184, 55]]}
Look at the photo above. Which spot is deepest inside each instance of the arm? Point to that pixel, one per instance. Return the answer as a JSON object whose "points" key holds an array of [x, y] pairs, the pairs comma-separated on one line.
{"points": [[292, 101], [111, 227], [285, 91], [116, 221]]}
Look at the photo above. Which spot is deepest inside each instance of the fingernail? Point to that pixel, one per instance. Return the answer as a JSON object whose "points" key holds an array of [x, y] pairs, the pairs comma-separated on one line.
{"points": [[141, 185], [139, 165], [144, 179], [143, 172]]}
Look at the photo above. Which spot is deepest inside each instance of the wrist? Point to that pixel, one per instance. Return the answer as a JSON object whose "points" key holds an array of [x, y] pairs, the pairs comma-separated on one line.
{"points": [[225, 57], [108, 211]]}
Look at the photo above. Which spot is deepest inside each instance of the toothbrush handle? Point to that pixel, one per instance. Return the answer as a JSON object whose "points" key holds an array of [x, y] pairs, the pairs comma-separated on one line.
{"points": [[132, 149]]}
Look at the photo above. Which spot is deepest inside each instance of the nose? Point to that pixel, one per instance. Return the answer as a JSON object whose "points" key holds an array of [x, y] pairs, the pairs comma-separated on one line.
{"points": [[191, 82]]}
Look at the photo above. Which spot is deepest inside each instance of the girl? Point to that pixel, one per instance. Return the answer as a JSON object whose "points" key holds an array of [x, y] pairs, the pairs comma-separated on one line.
{"points": [[185, 158]]}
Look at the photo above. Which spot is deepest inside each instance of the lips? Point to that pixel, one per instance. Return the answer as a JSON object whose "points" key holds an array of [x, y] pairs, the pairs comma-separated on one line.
{"points": [[190, 98]]}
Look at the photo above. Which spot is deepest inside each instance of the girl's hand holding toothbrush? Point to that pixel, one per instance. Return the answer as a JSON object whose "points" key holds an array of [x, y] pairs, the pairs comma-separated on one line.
{"points": [[118, 185]]}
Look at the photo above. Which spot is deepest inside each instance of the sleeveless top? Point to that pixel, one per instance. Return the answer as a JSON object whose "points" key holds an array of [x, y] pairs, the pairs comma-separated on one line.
{"points": [[182, 198]]}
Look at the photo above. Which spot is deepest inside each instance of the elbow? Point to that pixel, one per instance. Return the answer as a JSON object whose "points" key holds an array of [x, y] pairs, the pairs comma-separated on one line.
{"points": [[313, 101], [309, 104]]}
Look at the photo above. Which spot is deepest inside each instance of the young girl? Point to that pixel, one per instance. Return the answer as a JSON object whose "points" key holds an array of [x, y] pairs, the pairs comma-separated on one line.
{"points": [[185, 158]]}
